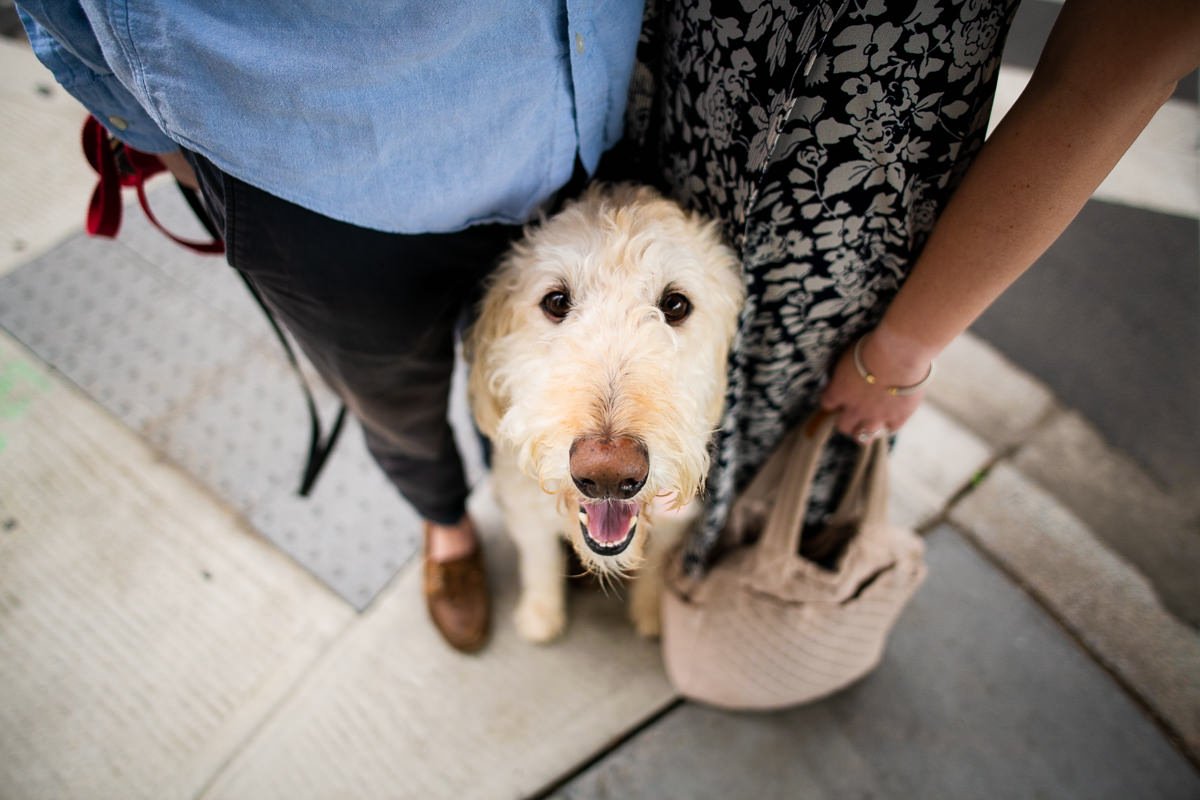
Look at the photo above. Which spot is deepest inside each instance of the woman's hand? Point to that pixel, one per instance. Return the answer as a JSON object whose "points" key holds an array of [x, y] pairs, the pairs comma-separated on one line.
{"points": [[867, 410], [1079, 113]]}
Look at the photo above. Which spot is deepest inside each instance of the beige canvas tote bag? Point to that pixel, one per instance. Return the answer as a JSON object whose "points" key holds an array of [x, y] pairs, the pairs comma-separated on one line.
{"points": [[766, 628]]}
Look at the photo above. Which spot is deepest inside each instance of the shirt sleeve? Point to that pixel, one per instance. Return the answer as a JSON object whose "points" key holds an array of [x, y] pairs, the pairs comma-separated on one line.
{"points": [[63, 41]]}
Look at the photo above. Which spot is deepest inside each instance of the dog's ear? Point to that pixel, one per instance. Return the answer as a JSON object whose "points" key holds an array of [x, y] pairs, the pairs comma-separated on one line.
{"points": [[496, 319]]}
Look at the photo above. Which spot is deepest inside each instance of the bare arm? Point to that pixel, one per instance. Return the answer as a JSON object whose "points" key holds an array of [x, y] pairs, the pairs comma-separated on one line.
{"points": [[1106, 69]]}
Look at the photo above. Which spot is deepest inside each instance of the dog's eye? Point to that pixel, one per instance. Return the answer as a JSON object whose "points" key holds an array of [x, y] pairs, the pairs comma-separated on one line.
{"points": [[675, 307], [556, 305]]}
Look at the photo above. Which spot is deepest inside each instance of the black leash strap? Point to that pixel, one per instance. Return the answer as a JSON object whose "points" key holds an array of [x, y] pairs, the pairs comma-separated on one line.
{"points": [[319, 446]]}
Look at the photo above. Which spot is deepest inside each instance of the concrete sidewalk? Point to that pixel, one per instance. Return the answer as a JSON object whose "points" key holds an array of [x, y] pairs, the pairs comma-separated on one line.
{"points": [[174, 624], [154, 646]]}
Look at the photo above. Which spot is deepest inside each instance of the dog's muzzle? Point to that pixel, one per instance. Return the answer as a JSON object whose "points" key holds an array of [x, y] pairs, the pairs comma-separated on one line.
{"points": [[608, 471]]}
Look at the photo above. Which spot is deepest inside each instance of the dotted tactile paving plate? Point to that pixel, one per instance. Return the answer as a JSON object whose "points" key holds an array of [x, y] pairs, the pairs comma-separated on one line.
{"points": [[365, 531], [205, 278], [172, 344], [105, 319], [247, 438]]}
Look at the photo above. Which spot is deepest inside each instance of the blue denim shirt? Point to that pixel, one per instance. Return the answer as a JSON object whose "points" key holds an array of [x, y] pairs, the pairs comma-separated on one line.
{"points": [[412, 117]]}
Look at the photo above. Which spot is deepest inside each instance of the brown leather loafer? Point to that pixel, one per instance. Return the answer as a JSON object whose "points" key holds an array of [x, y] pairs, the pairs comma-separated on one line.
{"points": [[456, 595]]}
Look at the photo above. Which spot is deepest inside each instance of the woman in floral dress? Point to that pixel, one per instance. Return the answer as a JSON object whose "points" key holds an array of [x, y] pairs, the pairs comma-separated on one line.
{"points": [[828, 137]]}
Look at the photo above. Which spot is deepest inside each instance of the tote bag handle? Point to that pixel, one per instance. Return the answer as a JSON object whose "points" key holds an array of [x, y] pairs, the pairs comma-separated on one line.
{"points": [[864, 502]]}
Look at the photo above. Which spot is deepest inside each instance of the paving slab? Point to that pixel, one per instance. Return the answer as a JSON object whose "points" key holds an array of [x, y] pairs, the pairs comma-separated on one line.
{"points": [[1118, 350], [1158, 533], [987, 394], [1097, 595], [145, 630], [394, 713], [40, 159], [979, 696], [934, 458]]}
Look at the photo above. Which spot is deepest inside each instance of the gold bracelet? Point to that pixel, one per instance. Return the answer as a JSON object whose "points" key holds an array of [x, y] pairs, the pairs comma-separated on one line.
{"points": [[894, 391]]}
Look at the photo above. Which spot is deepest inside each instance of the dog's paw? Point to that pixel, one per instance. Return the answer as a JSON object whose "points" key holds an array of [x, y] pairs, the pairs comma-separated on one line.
{"points": [[646, 619], [539, 621]]}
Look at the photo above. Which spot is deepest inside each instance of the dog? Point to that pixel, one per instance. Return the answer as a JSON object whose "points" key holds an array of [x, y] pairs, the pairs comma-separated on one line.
{"points": [[597, 369]]}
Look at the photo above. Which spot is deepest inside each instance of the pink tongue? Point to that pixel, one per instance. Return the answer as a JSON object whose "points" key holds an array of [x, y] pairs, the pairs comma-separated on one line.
{"points": [[608, 520]]}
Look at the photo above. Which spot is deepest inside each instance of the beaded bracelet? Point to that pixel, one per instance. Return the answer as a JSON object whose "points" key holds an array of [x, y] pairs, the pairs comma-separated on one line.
{"points": [[894, 391]]}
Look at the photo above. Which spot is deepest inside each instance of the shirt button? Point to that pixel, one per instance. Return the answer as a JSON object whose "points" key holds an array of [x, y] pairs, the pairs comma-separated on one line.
{"points": [[118, 122], [579, 43]]}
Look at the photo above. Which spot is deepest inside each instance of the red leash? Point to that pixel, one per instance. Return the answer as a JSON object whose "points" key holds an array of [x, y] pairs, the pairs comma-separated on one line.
{"points": [[119, 165]]}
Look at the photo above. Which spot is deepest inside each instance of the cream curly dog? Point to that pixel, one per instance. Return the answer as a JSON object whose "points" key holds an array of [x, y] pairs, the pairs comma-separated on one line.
{"points": [[598, 372]]}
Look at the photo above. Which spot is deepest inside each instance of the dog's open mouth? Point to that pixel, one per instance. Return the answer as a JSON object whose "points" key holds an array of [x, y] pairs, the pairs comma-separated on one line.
{"points": [[608, 526]]}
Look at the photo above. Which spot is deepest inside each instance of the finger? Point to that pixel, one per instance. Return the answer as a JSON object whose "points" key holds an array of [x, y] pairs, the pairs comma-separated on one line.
{"points": [[848, 423], [829, 402], [869, 433], [861, 428]]}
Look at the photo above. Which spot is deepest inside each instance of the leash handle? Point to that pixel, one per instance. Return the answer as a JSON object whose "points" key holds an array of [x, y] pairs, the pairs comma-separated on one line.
{"points": [[117, 165]]}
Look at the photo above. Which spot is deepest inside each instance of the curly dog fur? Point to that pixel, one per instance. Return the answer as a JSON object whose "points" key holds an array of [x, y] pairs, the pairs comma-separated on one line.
{"points": [[597, 369]]}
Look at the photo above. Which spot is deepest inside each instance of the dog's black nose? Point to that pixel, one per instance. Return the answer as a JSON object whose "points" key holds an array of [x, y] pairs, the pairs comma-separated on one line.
{"points": [[605, 467]]}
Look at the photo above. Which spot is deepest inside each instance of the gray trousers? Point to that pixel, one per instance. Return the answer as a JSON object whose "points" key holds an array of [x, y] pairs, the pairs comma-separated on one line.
{"points": [[376, 314]]}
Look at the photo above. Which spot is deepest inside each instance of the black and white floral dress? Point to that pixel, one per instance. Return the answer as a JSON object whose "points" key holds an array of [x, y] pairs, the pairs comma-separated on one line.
{"points": [[825, 136]]}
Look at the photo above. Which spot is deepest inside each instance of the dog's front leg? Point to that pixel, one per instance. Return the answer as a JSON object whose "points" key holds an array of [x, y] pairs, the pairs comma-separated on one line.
{"points": [[541, 613], [533, 522]]}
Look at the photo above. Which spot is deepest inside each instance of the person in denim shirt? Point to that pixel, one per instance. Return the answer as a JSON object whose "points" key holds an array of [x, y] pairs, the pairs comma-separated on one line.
{"points": [[366, 164]]}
